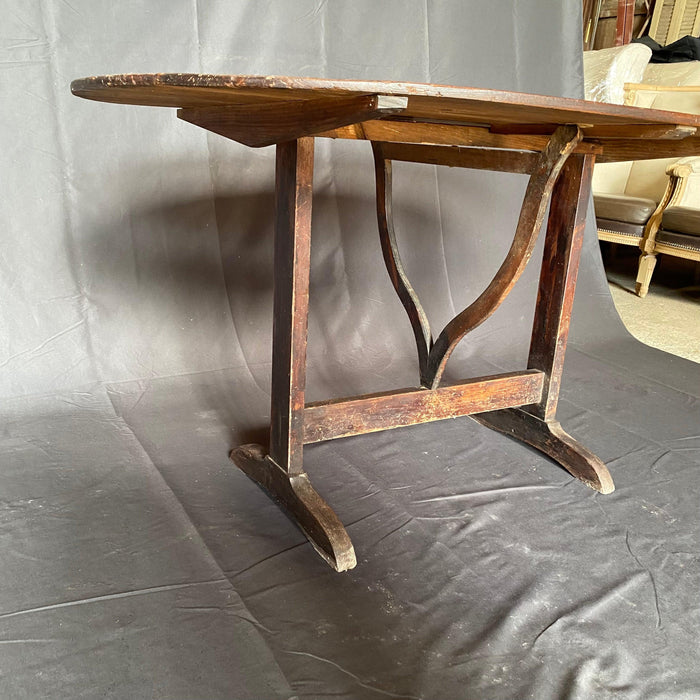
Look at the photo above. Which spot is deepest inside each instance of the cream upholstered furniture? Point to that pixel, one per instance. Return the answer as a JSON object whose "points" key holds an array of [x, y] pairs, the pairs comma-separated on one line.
{"points": [[652, 204], [678, 230], [670, 226], [607, 71]]}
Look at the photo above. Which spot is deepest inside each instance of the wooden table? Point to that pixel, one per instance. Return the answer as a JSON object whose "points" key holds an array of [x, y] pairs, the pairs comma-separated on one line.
{"points": [[555, 141]]}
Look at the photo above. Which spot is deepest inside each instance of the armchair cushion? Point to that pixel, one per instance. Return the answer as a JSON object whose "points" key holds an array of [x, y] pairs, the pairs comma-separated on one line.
{"points": [[619, 228], [680, 241], [621, 207], [682, 220]]}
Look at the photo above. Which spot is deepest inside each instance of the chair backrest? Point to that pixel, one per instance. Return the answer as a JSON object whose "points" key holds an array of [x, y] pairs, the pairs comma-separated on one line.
{"points": [[673, 19], [669, 86]]}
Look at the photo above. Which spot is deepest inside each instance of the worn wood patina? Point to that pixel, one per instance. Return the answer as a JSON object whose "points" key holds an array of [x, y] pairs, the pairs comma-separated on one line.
{"points": [[554, 141]]}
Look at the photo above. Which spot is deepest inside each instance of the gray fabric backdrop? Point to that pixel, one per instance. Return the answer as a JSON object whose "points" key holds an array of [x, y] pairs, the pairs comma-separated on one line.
{"points": [[135, 274]]}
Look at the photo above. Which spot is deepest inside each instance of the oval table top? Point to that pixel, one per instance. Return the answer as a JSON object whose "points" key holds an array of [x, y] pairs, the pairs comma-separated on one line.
{"points": [[621, 132]]}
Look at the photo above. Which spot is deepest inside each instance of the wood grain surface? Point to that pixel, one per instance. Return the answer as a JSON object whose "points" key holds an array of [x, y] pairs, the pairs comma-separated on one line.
{"points": [[326, 420], [266, 123], [462, 103], [617, 132]]}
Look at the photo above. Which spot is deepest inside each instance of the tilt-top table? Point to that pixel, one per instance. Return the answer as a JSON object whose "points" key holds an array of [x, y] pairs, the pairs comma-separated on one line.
{"points": [[555, 141]]}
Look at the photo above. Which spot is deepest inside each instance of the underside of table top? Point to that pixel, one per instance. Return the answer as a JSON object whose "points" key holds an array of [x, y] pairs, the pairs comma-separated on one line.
{"points": [[618, 132]]}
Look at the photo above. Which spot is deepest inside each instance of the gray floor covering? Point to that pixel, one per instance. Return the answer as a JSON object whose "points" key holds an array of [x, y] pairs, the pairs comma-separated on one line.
{"points": [[135, 549], [137, 562]]}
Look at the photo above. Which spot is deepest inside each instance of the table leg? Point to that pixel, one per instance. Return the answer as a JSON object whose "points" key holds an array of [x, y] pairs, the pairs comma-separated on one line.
{"points": [[281, 472], [536, 424]]}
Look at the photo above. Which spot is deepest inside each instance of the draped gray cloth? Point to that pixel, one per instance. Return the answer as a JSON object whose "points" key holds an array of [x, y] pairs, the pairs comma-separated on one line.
{"points": [[135, 274]]}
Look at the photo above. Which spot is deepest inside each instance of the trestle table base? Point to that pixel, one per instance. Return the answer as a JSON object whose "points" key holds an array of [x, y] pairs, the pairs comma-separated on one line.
{"points": [[519, 404]]}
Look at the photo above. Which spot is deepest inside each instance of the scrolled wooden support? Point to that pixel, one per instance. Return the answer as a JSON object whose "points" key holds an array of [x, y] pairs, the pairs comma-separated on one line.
{"points": [[392, 259], [537, 195], [535, 423]]}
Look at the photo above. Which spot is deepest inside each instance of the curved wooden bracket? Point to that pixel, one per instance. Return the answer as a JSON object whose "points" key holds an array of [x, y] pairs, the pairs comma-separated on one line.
{"points": [[550, 438], [392, 260], [433, 355], [537, 196]]}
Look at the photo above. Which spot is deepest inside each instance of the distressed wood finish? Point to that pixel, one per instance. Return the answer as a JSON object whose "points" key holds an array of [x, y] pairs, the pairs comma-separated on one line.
{"points": [[610, 150], [326, 420], [551, 439], [554, 140], [606, 131], [294, 182], [543, 168], [456, 157], [555, 295], [430, 133], [536, 199], [296, 494], [268, 123], [443, 114], [281, 473], [425, 101], [614, 150], [535, 423]]}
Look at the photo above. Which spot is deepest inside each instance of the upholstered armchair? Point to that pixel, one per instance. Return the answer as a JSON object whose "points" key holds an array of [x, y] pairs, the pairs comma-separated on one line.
{"points": [[670, 226], [654, 204]]}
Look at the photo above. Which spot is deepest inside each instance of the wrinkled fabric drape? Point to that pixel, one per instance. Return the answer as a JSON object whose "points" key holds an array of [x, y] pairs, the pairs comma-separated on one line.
{"points": [[135, 274]]}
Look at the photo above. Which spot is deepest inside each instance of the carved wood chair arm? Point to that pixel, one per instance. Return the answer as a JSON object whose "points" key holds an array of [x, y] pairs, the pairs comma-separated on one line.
{"points": [[682, 189], [684, 167]]}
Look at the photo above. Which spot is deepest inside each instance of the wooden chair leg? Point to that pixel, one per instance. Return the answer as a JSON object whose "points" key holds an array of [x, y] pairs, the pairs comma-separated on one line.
{"points": [[281, 472], [647, 263]]}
